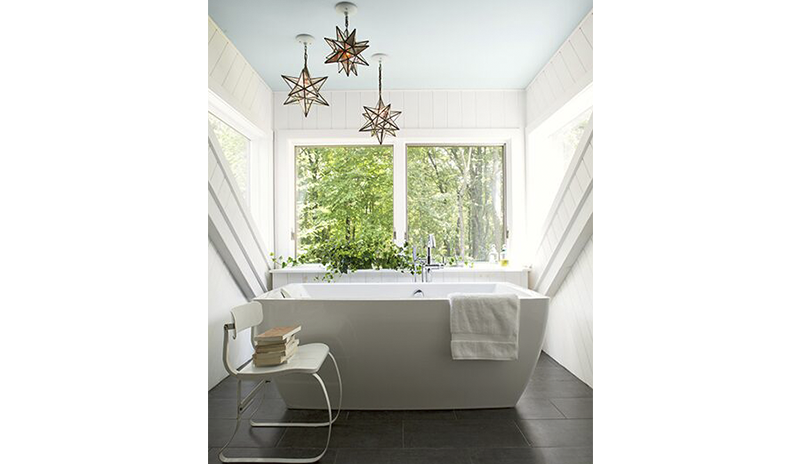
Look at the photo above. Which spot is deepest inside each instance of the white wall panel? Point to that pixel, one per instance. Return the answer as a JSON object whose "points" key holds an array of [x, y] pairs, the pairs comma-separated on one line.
{"points": [[237, 249], [439, 109], [324, 112], [411, 110], [427, 109], [236, 82], [234, 73], [354, 110], [223, 295], [244, 83], [562, 265], [468, 111], [560, 67], [567, 73], [569, 334], [455, 112], [397, 100], [338, 101], [497, 108]]}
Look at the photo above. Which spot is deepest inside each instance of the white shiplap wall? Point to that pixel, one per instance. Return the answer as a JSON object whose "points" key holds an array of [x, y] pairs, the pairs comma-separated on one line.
{"points": [[237, 85], [223, 294], [421, 109], [562, 262], [567, 73], [232, 78], [569, 335]]}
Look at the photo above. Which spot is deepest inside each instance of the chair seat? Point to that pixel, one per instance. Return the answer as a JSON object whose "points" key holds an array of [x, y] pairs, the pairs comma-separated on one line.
{"points": [[306, 360]]}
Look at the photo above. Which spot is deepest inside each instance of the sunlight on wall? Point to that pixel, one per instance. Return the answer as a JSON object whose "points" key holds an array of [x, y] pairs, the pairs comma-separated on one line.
{"points": [[551, 148]]}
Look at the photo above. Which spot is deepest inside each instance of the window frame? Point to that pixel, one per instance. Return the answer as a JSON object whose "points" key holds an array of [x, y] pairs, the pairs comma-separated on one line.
{"points": [[256, 137], [249, 161], [514, 175], [444, 145]]}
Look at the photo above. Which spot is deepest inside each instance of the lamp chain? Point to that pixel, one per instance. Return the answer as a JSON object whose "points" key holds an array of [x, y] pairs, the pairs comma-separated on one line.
{"points": [[305, 54], [346, 22], [380, 79]]}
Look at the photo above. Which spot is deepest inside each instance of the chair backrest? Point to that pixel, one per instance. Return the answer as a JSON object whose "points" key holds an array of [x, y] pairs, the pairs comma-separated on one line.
{"points": [[246, 316]]}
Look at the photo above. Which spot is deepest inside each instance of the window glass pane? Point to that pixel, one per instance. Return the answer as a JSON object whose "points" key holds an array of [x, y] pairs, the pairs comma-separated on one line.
{"points": [[456, 193], [554, 143], [565, 140], [343, 194], [236, 150]]}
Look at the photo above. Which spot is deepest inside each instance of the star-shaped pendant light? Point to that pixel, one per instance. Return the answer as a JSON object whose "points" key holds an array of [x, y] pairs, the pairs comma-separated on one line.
{"points": [[305, 90], [346, 50], [381, 120]]}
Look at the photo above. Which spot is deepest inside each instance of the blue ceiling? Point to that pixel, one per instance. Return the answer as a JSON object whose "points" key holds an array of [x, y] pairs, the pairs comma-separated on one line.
{"points": [[433, 44]]}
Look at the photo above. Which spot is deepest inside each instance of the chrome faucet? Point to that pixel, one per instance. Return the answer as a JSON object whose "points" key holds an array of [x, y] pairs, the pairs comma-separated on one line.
{"points": [[429, 264]]}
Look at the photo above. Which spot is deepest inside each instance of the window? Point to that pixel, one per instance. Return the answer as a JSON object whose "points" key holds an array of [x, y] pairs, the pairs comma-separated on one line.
{"points": [[236, 150], [343, 194], [457, 194], [564, 141], [554, 143]]}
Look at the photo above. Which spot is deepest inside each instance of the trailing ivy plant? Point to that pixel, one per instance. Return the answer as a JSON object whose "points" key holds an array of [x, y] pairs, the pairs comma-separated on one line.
{"points": [[340, 256]]}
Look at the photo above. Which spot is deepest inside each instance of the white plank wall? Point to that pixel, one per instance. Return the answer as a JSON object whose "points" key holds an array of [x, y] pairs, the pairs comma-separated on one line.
{"points": [[231, 77], [223, 294], [569, 335], [421, 109], [562, 266], [237, 264], [567, 73]]}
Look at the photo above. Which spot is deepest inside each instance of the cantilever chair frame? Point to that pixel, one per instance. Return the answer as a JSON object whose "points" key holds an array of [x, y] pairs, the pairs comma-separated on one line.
{"points": [[250, 316]]}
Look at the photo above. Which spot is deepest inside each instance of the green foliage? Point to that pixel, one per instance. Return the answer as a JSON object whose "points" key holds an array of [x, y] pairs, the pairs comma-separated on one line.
{"points": [[345, 210], [344, 194], [341, 257], [456, 193]]}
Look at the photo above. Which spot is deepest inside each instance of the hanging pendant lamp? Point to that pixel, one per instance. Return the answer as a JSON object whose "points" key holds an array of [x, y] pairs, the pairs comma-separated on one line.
{"points": [[346, 50], [305, 90], [381, 120]]}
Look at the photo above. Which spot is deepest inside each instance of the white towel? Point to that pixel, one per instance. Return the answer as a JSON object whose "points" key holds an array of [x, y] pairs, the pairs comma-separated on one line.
{"points": [[484, 326]]}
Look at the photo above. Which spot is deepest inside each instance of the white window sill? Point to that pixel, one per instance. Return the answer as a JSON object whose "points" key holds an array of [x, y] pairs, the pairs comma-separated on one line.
{"points": [[479, 267]]}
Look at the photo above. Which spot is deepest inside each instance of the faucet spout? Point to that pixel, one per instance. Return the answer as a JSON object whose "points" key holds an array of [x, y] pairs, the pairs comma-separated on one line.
{"points": [[428, 263]]}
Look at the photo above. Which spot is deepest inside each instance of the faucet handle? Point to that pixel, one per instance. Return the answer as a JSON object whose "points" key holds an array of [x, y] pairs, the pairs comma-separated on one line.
{"points": [[431, 241]]}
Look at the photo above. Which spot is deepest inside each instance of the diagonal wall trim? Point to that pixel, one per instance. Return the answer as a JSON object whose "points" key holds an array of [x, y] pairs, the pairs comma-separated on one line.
{"points": [[240, 205], [231, 228], [563, 239]]}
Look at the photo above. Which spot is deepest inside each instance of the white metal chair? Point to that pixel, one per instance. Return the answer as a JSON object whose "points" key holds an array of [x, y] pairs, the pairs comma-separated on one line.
{"points": [[307, 360]]}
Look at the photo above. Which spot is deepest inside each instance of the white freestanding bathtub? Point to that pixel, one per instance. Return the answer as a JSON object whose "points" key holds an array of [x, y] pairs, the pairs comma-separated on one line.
{"points": [[393, 349]]}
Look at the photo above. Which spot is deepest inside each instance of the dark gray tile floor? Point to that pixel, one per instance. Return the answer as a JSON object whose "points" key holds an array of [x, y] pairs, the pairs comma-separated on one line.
{"points": [[551, 424]]}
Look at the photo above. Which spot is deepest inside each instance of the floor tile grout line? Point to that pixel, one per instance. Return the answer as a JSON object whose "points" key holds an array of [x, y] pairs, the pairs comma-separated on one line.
{"points": [[557, 408], [522, 433]]}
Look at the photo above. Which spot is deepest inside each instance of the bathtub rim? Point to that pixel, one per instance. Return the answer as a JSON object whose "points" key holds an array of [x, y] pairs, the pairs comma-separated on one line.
{"points": [[522, 292]]}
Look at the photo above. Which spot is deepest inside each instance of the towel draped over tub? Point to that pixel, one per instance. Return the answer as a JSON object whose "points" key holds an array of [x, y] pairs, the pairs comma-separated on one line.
{"points": [[484, 326]]}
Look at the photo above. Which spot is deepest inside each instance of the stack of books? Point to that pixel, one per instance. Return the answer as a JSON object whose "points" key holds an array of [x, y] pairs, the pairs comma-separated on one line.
{"points": [[275, 346]]}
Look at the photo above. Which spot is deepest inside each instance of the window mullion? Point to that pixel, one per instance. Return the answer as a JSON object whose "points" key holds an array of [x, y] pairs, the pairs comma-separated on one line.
{"points": [[399, 193]]}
